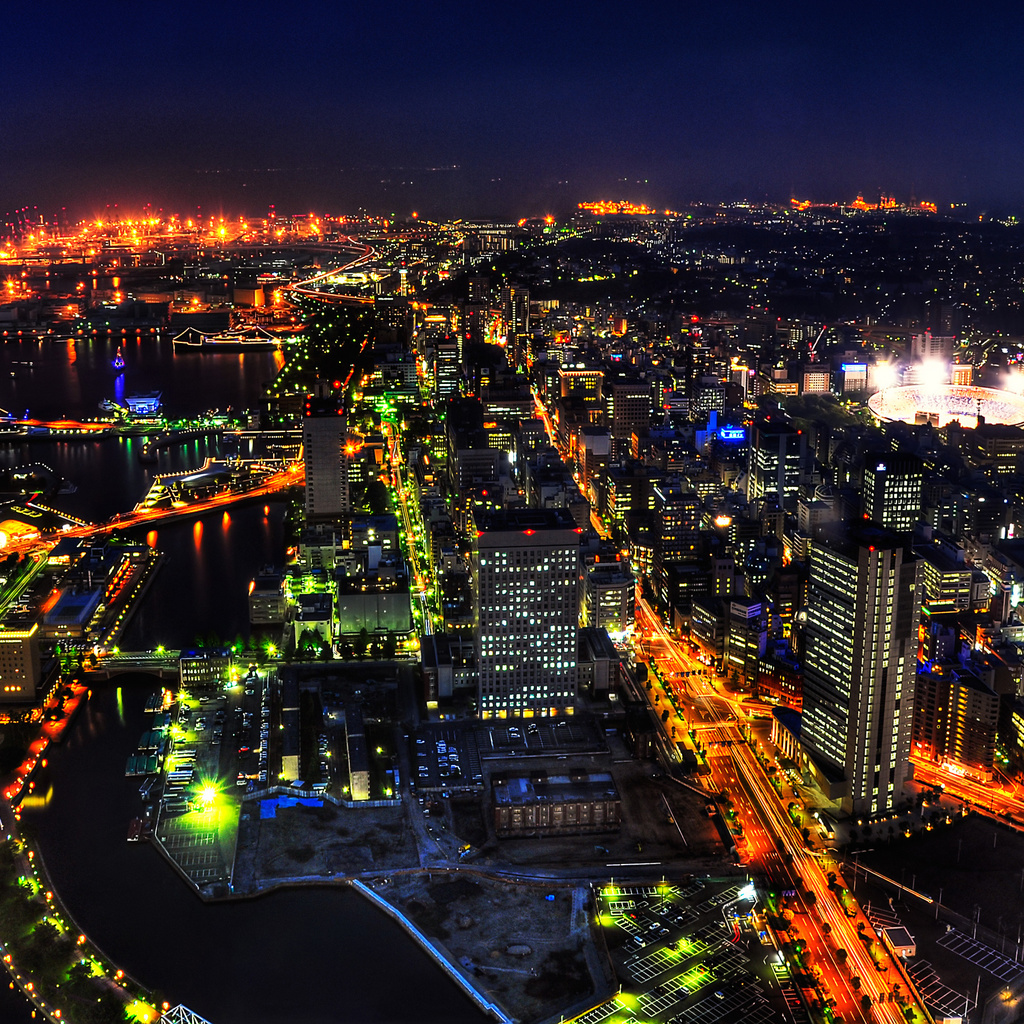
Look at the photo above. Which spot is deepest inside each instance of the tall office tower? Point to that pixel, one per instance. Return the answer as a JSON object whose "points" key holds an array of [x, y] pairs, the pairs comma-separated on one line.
{"points": [[447, 367], [676, 521], [776, 463], [526, 567], [479, 289], [19, 665], [859, 666], [628, 405], [515, 302], [891, 493], [323, 441]]}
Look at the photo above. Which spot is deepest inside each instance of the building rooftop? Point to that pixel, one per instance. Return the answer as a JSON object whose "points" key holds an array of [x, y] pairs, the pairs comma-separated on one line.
{"points": [[524, 519], [555, 789]]}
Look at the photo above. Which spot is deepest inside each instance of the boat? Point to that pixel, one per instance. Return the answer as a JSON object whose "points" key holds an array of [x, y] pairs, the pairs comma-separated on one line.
{"points": [[239, 339], [118, 363]]}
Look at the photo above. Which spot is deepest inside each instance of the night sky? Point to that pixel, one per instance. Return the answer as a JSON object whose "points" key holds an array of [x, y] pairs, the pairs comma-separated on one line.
{"points": [[506, 108]]}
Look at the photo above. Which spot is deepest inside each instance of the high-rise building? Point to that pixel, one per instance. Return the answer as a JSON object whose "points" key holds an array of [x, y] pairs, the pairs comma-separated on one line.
{"points": [[859, 666], [526, 564], [515, 302], [628, 404], [324, 430], [609, 597], [776, 462], [891, 492], [746, 639], [676, 521], [955, 719], [19, 664], [447, 367]]}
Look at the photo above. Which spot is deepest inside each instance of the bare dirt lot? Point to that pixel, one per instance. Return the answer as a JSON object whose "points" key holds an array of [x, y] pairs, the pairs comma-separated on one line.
{"points": [[532, 955], [318, 842]]}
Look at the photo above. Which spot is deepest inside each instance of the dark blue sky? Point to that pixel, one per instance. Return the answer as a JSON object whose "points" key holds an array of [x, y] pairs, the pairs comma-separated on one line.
{"points": [[330, 105]]}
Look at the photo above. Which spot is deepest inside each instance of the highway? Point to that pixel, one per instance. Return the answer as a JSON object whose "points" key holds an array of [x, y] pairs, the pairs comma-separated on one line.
{"points": [[1000, 796], [309, 288], [684, 696], [775, 844]]}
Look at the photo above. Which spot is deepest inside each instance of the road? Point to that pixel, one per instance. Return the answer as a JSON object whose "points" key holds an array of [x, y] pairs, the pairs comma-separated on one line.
{"points": [[310, 287], [421, 571], [1000, 796], [774, 843]]}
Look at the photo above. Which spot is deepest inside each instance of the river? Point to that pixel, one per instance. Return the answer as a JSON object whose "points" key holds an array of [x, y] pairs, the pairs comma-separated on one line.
{"points": [[304, 955]]}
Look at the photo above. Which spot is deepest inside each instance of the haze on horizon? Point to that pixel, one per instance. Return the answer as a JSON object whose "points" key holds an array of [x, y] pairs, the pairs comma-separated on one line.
{"points": [[476, 109]]}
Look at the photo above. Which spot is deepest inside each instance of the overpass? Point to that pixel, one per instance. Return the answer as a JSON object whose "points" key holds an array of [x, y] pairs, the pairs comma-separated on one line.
{"points": [[313, 287], [148, 451], [161, 664]]}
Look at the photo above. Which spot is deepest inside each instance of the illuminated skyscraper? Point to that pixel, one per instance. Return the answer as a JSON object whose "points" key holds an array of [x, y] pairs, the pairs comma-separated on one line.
{"points": [[526, 564], [324, 429], [777, 456], [19, 664], [891, 493], [859, 666]]}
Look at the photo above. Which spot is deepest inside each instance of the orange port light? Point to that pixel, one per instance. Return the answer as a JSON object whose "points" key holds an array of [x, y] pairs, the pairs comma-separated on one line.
{"points": [[605, 207]]}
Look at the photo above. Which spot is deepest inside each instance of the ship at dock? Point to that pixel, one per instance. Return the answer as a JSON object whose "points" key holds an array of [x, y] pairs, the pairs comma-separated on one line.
{"points": [[239, 339]]}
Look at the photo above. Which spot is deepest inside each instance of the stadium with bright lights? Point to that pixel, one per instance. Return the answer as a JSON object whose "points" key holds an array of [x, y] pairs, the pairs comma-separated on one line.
{"points": [[941, 404]]}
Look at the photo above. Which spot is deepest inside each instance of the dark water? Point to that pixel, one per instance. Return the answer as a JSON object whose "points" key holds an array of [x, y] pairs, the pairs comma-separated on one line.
{"points": [[307, 955], [53, 379], [310, 956]]}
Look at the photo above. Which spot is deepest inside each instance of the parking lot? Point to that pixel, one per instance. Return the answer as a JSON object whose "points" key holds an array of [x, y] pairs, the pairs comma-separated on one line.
{"points": [[448, 755], [220, 750], [689, 953]]}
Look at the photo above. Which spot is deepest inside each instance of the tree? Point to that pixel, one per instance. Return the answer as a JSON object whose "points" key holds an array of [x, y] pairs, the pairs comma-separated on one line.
{"points": [[362, 643], [390, 646], [826, 929], [377, 498], [841, 956], [855, 983], [865, 1002], [811, 897]]}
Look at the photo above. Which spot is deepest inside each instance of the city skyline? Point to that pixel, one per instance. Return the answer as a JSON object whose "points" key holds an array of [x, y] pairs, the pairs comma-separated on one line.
{"points": [[495, 112]]}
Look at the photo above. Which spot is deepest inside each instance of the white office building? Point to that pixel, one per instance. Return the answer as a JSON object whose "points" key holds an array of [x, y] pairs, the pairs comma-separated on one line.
{"points": [[859, 667], [526, 567], [324, 430]]}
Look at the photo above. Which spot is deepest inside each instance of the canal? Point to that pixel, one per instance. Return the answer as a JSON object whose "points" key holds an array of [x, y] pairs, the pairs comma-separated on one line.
{"points": [[301, 955]]}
